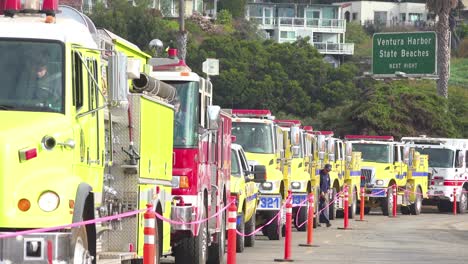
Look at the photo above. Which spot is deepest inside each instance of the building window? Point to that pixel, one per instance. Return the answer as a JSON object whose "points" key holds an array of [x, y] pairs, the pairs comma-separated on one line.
{"points": [[380, 18], [287, 34], [317, 37], [403, 17], [355, 16], [414, 17]]}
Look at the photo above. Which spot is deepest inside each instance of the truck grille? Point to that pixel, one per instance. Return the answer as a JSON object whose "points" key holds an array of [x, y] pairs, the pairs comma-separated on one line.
{"points": [[367, 174]]}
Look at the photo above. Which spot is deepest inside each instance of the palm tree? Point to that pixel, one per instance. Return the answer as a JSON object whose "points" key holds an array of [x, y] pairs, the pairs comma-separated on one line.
{"points": [[182, 34], [442, 9]]}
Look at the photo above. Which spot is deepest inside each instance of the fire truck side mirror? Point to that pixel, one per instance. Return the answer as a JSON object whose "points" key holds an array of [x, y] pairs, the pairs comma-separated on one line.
{"points": [[461, 159], [259, 172], [295, 136], [331, 157], [118, 82], [321, 155], [349, 159], [406, 155], [213, 112], [295, 151]]}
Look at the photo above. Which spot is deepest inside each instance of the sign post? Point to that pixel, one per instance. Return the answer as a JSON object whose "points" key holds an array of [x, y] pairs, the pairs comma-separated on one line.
{"points": [[409, 54]]}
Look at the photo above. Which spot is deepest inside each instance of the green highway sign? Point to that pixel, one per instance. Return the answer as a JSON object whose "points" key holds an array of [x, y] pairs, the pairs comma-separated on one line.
{"points": [[409, 53]]}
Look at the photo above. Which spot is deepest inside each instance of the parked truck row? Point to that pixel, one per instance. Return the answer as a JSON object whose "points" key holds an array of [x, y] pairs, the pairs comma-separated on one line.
{"points": [[94, 127]]}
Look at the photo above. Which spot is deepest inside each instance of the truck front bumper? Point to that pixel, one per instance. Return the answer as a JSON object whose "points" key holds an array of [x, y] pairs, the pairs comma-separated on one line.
{"points": [[183, 215], [36, 248]]}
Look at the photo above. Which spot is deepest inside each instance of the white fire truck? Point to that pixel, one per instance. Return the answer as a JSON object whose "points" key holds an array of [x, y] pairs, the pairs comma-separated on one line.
{"points": [[448, 170]]}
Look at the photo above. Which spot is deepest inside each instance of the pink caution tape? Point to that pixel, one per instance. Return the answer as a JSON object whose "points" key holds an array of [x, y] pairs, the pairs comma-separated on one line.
{"points": [[319, 212], [77, 224], [162, 218], [104, 219]]}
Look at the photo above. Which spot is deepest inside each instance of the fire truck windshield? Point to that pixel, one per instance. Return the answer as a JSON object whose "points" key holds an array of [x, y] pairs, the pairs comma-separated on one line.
{"points": [[373, 152], [438, 158], [253, 137], [31, 74], [186, 106]]}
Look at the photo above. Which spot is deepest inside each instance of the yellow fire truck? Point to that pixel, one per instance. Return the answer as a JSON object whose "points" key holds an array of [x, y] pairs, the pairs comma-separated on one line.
{"points": [[346, 171], [262, 141], [79, 145], [297, 170], [385, 164], [244, 189]]}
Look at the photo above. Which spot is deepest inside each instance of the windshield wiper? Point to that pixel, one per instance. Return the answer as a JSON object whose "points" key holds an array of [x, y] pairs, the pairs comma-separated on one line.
{"points": [[6, 107]]}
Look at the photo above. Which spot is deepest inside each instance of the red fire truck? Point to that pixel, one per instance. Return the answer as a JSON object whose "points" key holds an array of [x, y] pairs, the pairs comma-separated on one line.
{"points": [[201, 164]]}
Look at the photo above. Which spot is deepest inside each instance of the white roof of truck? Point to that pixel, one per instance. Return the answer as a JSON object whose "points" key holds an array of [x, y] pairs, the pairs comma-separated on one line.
{"points": [[452, 142], [65, 30]]}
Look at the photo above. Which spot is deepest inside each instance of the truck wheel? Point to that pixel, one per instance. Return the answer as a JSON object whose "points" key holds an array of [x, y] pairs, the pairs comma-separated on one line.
{"points": [[353, 206], [463, 204], [387, 202], [366, 210], [272, 230], [416, 206], [216, 250], [241, 228], [194, 249], [406, 210], [332, 208], [79, 246], [249, 241], [444, 206], [301, 219]]}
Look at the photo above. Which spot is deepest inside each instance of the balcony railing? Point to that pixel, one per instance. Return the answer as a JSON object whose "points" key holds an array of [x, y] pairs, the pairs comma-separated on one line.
{"points": [[334, 48], [300, 22], [326, 47]]}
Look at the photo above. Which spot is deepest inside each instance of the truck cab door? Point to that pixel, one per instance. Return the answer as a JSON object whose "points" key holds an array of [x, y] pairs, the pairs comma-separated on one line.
{"points": [[249, 184], [399, 167], [87, 101]]}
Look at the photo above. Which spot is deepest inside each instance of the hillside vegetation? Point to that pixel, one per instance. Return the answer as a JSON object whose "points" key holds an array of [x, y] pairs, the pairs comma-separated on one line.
{"points": [[293, 81]]}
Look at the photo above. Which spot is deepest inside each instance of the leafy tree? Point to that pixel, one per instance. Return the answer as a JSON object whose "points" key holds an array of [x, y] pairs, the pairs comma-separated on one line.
{"points": [[235, 7]]}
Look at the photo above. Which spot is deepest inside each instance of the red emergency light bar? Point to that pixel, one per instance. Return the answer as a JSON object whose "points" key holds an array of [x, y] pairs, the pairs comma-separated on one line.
{"points": [[178, 67], [288, 123], [251, 112], [366, 137], [11, 7], [308, 128]]}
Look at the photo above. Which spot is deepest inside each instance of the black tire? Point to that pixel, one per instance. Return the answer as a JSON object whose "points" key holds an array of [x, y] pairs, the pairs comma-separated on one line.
{"points": [[417, 205], [240, 241], [272, 231], [444, 206], [79, 246], [353, 206], [193, 249], [159, 245], [462, 205], [249, 241], [367, 210], [332, 208], [216, 250], [406, 210], [301, 219], [387, 202]]}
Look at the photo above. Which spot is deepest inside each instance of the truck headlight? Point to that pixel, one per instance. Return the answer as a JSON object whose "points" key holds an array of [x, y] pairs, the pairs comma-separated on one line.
{"points": [[267, 186], [379, 182], [295, 185], [48, 201]]}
